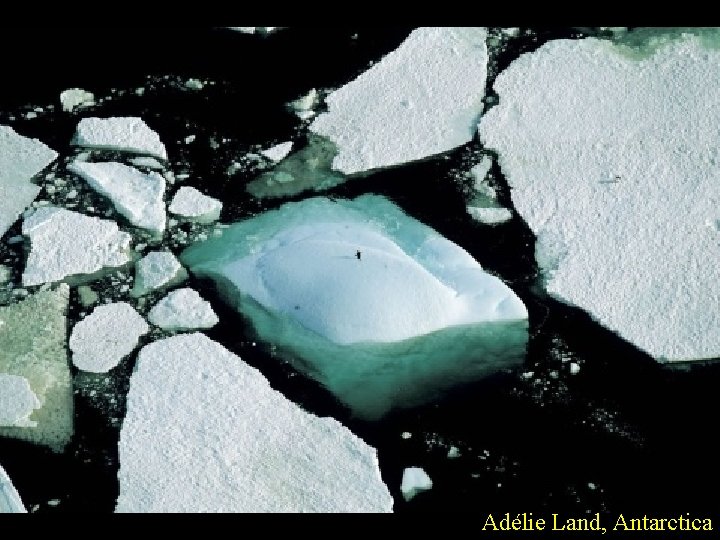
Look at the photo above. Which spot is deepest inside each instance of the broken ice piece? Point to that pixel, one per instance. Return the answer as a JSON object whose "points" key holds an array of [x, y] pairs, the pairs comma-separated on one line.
{"points": [[102, 339], [157, 269], [192, 205], [490, 216], [65, 243], [183, 309], [10, 502], [414, 481], [75, 98], [278, 152], [17, 401], [129, 134], [148, 162]]}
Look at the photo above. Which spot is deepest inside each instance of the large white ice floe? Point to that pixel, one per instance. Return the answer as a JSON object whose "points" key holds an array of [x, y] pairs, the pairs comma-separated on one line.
{"points": [[130, 134], [74, 98], [422, 99], [102, 339], [205, 432], [136, 195], [191, 204], [410, 317], [65, 243], [17, 401], [155, 270], [10, 502], [612, 162], [32, 347], [20, 159], [183, 309]]}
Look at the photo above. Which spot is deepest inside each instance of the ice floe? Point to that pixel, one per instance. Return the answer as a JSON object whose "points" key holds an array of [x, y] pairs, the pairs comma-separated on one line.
{"points": [[408, 312], [193, 205], [17, 401], [75, 98], [21, 158], [136, 195], [66, 243], [422, 99], [102, 339], [10, 502], [490, 215], [414, 481], [155, 270], [130, 134], [205, 432], [612, 162], [148, 162], [183, 309], [278, 152], [32, 346]]}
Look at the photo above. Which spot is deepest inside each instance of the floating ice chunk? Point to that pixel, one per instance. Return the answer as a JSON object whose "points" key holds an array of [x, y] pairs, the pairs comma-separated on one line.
{"points": [[422, 99], [20, 159], [130, 134], [87, 296], [403, 314], [183, 309], [414, 481], [136, 195], [157, 269], [612, 162], [205, 432], [479, 173], [75, 98], [65, 243], [32, 346], [145, 161], [189, 203], [453, 453], [490, 216], [17, 401], [102, 339], [278, 152], [10, 502], [254, 29]]}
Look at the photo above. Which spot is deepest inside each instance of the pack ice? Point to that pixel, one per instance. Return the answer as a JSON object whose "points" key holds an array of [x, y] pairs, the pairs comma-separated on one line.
{"points": [[422, 99], [612, 161], [377, 306], [20, 159], [10, 502], [205, 432], [34, 368], [129, 134]]}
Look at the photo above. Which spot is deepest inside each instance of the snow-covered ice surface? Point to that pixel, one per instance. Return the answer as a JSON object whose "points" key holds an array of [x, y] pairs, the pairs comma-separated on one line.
{"points": [[10, 502], [278, 152], [32, 345], [612, 161], [193, 205], [74, 98], [414, 481], [136, 195], [205, 432], [422, 99], [403, 318], [21, 158], [490, 215], [102, 339], [129, 134], [66, 243], [17, 401], [155, 270], [183, 309]]}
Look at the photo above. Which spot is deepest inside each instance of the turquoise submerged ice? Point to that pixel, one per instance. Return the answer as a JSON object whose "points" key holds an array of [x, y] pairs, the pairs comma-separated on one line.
{"points": [[414, 315]]}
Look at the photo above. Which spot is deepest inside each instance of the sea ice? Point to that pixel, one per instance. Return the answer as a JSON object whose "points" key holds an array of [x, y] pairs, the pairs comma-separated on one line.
{"points": [[20, 159], [136, 195], [490, 215], [75, 98], [205, 432], [278, 152], [32, 346], [17, 401], [102, 339], [10, 502], [193, 205], [612, 160], [377, 306], [65, 243], [183, 309], [130, 134], [145, 161], [155, 270], [414, 481], [422, 99]]}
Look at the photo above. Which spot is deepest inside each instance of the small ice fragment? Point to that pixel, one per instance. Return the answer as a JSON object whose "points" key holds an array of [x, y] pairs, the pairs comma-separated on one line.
{"points": [[414, 481]]}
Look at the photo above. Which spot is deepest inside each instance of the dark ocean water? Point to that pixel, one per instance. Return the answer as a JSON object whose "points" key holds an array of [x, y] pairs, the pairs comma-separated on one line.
{"points": [[623, 435]]}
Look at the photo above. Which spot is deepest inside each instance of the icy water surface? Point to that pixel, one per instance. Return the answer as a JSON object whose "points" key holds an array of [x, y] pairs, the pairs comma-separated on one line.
{"points": [[588, 424]]}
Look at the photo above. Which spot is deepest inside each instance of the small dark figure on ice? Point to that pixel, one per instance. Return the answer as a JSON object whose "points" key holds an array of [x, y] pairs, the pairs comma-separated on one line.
{"points": [[358, 254]]}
